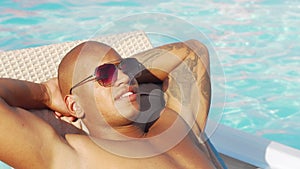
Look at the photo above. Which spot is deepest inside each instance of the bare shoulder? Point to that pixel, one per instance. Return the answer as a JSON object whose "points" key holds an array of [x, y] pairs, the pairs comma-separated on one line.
{"points": [[26, 140]]}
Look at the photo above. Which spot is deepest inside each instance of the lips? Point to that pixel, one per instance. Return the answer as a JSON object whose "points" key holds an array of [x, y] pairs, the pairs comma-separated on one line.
{"points": [[128, 93]]}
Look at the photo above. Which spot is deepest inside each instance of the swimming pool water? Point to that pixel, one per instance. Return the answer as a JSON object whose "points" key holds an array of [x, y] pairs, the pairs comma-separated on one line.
{"points": [[257, 42]]}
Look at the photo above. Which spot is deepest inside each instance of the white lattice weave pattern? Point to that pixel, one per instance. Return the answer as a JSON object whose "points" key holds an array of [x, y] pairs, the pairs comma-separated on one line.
{"points": [[40, 63]]}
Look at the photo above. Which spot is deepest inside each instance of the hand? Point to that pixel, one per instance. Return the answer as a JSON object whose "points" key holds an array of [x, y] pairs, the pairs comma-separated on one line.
{"points": [[56, 101]]}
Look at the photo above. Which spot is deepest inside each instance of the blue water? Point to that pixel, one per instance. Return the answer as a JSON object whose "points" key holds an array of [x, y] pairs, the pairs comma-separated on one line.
{"points": [[256, 41]]}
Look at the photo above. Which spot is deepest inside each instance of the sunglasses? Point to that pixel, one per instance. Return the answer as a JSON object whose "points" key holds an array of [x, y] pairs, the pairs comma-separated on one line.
{"points": [[106, 74]]}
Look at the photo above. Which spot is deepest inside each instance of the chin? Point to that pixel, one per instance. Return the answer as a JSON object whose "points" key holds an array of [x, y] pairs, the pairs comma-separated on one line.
{"points": [[129, 111]]}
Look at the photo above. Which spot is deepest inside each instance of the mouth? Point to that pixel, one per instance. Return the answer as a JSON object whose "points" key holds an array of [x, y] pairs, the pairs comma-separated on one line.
{"points": [[127, 94], [130, 93]]}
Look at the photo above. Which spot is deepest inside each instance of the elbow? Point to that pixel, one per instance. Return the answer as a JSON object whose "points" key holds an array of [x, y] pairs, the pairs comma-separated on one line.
{"points": [[197, 46], [199, 49]]}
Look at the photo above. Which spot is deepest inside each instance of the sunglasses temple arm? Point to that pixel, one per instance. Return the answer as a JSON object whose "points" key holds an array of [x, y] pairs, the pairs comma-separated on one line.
{"points": [[81, 83]]}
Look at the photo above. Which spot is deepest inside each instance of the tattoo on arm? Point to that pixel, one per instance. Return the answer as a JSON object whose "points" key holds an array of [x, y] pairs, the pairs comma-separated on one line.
{"points": [[195, 70], [205, 86]]}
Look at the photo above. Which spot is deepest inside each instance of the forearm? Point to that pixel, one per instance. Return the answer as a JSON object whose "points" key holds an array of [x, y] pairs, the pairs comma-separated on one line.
{"points": [[27, 95], [160, 61]]}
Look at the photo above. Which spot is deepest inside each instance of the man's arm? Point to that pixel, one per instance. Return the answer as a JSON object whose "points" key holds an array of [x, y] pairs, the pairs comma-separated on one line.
{"points": [[160, 61], [25, 140], [189, 87], [185, 65], [27, 95], [199, 64]]}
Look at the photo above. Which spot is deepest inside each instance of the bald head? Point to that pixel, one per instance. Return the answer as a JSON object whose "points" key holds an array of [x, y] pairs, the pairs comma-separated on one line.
{"points": [[83, 55]]}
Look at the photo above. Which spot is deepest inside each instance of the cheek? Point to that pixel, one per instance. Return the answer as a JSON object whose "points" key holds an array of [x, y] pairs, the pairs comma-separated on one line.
{"points": [[106, 107], [103, 99], [113, 113]]}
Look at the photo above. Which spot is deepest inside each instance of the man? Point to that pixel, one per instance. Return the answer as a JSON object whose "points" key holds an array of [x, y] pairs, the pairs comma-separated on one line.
{"points": [[103, 90]]}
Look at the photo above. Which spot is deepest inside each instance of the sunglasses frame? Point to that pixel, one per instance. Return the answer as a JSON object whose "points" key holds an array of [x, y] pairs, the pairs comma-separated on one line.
{"points": [[117, 66]]}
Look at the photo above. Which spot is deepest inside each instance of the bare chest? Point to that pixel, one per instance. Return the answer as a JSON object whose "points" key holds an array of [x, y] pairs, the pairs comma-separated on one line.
{"points": [[183, 155]]}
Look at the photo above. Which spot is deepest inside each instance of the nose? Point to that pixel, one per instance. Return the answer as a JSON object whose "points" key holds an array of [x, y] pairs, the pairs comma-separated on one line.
{"points": [[122, 78]]}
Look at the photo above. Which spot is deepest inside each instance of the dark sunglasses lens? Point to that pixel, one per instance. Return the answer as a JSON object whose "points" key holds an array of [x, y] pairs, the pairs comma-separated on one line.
{"points": [[131, 67], [106, 74]]}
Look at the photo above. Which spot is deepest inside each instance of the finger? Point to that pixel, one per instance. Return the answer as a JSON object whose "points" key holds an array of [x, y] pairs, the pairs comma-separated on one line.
{"points": [[69, 119], [74, 119], [57, 114]]}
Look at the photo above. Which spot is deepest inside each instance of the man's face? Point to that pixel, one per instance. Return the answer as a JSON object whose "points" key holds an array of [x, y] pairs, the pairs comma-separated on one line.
{"points": [[118, 103]]}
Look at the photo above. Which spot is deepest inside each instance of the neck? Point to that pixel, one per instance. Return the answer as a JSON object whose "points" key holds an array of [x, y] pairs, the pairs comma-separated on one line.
{"points": [[107, 132]]}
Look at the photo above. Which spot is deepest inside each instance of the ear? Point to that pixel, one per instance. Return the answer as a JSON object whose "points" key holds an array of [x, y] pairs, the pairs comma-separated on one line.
{"points": [[74, 107]]}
